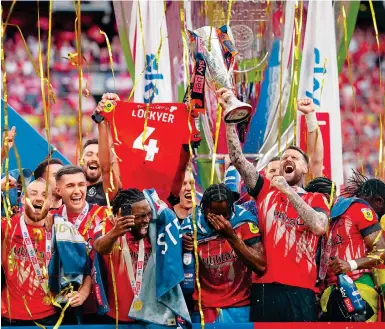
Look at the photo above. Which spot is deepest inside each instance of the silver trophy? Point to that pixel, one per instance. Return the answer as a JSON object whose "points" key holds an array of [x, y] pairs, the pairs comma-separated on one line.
{"points": [[218, 75]]}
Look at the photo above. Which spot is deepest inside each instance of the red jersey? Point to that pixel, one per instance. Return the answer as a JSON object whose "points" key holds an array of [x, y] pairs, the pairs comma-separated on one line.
{"points": [[225, 280], [346, 237], [289, 244], [125, 294], [21, 279], [94, 216], [150, 156]]}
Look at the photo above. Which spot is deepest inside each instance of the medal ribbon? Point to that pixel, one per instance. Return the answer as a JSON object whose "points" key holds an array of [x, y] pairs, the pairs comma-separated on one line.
{"points": [[136, 284], [80, 218], [32, 254]]}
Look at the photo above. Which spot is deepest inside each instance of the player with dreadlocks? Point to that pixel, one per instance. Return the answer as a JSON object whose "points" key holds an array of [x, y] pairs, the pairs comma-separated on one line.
{"points": [[354, 245], [230, 249], [132, 214]]}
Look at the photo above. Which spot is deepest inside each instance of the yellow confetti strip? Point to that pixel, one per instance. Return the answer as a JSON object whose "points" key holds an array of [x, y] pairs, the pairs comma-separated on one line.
{"points": [[77, 29], [381, 164], [217, 129], [193, 192], [30, 314], [229, 12], [280, 117], [91, 220], [297, 47], [115, 292]]}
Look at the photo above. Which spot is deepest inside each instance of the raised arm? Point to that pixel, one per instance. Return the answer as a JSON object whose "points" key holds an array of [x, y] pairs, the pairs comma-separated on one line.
{"points": [[314, 141], [247, 171], [315, 220], [104, 244], [105, 158]]}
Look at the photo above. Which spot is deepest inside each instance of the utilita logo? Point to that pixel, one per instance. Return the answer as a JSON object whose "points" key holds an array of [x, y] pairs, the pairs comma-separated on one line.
{"points": [[348, 303]]}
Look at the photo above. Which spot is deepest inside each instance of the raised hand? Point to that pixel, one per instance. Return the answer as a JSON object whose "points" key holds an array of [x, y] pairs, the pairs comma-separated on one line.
{"points": [[123, 225], [221, 225], [305, 105], [224, 96], [106, 97]]}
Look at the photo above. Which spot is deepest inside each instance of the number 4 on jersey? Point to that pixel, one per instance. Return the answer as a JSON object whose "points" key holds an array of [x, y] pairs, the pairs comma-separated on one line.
{"points": [[151, 148]]}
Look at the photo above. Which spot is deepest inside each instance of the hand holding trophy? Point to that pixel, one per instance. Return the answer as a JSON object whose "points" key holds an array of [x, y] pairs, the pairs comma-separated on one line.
{"points": [[213, 52]]}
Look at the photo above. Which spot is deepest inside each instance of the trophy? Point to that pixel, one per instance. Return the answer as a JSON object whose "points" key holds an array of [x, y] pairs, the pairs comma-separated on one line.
{"points": [[214, 61]]}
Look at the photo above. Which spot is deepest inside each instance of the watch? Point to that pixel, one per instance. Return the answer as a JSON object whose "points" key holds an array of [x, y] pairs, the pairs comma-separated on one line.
{"points": [[97, 117]]}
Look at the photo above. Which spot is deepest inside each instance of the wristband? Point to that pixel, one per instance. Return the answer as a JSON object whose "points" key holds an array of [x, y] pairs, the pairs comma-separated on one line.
{"points": [[311, 122], [353, 264], [97, 117]]}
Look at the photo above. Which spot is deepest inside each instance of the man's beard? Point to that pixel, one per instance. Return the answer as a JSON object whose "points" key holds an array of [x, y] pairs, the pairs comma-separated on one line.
{"points": [[93, 179], [36, 217]]}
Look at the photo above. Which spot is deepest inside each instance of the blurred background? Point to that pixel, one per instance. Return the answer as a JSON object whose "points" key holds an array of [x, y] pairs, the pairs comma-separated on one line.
{"points": [[360, 125]]}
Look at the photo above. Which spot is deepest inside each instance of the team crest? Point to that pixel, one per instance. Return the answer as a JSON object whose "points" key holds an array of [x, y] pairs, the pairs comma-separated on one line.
{"points": [[368, 214], [92, 191], [253, 228]]}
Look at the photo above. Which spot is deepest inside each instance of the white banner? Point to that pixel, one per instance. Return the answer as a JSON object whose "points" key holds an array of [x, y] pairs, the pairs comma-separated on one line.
{"points": [[319, 81], [152, 68]]}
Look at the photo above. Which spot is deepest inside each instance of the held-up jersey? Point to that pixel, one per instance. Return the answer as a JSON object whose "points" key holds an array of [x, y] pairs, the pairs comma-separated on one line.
{"points": [[149, 155]]}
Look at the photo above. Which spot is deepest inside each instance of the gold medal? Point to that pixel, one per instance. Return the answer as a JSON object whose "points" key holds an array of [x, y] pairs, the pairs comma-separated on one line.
{"points": [[138, 305], [47, 300], [109, 106]]}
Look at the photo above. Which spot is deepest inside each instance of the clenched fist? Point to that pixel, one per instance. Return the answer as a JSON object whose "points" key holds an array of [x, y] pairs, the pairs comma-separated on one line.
{"points": [[305, 105]]}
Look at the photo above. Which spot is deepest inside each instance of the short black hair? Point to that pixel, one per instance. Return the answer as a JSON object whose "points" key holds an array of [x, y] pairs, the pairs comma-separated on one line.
{"points": [[41, 168], [90, 142], [69, 170], [321, 185], [296, 148], [217, 193], [276, 158], [126, 196]]}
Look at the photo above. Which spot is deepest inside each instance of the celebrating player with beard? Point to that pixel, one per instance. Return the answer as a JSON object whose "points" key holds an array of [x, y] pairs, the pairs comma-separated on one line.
{"points": [[47, 170], [291, 221], [26, 254], [93, 171]]}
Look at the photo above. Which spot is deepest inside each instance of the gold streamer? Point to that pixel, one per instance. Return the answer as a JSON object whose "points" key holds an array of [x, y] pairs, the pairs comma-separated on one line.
{"points": [[115, 292], [280, 118], [89, 222], [110, 56], [46, 110], [6, 125], [381, 169], [7, 19], [193, 192], [229, 12], [80, 72], [35, 68], [30, 314], [348, 57], [217, 129], [331, 195], [298, 32]]}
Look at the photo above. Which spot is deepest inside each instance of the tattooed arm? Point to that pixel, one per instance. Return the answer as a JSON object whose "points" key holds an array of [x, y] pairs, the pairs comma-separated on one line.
{"points": [[315, 220], [247, 171]]}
